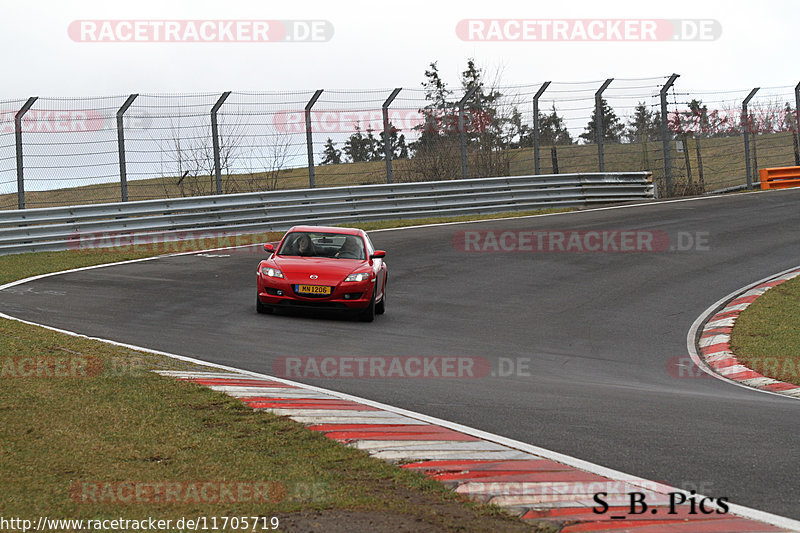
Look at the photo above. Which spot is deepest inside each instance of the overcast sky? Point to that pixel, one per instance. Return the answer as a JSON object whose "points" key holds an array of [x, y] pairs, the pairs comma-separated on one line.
{"points": [[385, 44]]}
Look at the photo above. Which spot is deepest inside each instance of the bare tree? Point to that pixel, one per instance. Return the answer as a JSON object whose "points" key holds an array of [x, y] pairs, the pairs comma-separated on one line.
{"points": [[190, 153], [270, 159], [433, 161], [184, 155], [491, 127]]}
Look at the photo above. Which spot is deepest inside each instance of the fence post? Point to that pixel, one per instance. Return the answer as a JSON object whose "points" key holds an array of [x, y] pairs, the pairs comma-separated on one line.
{"points": [[755, 153], [554, 158], [387, 135], [18, 142], [462, 132], [309, 138], [746, 128], [665, 136], [797, 124], [123, 171], [687, 159], [538, 94], [699, 164], [598, 122], [215, 140]]}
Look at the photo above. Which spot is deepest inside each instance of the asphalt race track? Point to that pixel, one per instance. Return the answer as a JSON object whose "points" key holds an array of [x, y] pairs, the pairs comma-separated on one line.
{"points": [[602, 331]]}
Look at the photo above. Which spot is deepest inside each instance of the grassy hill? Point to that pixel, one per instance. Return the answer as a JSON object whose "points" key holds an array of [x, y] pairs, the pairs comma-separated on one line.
{"points": [[722, 162]]}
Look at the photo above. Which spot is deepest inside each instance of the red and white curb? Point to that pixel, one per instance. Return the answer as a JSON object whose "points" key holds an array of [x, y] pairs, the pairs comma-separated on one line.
{"points": [[531, 482], [714, 342]]}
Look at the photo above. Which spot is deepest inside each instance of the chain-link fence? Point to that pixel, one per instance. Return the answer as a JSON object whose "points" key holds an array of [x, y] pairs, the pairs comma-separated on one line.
{"points": [[62, 151]]}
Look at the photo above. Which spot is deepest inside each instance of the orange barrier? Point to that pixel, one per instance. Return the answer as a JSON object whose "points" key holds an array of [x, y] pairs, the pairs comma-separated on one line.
{"points": [[780, 177]]}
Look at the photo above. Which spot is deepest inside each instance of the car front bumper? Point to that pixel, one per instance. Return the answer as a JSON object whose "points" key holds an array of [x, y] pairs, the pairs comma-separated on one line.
{"points": [[351, 295]]}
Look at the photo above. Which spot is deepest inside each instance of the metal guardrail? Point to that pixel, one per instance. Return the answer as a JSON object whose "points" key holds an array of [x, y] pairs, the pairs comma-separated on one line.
{"points": [[60, 228]]}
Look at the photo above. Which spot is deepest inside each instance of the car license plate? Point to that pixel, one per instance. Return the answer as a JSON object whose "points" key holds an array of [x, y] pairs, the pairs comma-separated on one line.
{"points": [[313, 289]]}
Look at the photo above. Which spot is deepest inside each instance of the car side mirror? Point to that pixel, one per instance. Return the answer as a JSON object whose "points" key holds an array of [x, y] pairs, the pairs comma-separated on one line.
{"points": [[269, 248], [378, 254]]}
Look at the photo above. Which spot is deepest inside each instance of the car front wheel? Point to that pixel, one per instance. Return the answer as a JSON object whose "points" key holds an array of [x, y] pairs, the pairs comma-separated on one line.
{"points": [[262, 309], [368, 314]]}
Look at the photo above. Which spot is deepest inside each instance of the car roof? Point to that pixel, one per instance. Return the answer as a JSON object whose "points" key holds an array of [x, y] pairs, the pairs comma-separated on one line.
{"points": [[328, 229]]}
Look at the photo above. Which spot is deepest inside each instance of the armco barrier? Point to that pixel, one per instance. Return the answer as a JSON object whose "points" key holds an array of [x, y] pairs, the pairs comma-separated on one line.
{"points": [[55, 228], [779, 177]]}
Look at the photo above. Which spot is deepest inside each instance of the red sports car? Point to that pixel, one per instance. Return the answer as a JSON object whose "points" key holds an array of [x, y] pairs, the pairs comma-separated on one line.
{"points": [[323, 268]]}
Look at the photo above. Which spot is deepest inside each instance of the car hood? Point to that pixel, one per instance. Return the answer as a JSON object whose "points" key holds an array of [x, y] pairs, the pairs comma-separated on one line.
{"points": [[298, 269]]}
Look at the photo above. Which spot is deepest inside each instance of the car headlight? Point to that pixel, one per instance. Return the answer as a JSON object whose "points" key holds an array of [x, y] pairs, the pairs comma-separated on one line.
{"points": [[360, 276], [271, 272]]}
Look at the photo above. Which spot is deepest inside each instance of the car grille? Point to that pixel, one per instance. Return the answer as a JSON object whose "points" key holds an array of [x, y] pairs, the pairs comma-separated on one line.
{"points": [[315, 305]]}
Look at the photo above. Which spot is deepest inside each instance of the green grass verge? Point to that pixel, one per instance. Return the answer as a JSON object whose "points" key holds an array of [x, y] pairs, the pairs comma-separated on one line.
{"points": [[766, 338], [92, 416]]}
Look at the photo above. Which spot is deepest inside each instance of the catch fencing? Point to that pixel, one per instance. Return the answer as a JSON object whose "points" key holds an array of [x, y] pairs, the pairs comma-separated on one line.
{"points": [[68, 151]]}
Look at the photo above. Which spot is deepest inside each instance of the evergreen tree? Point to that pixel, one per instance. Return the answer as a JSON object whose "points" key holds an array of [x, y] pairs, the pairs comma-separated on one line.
{"points": [[552, 129], [696, 120], [398, 143], [401, 148], [789, 118], [644, 126], [481, 110], [612, 127], [436, 90], [356, 146], [437, 150], [372, 150], [330, 155], [702, 123], [521, 131], [700, 113], [439, 114]]}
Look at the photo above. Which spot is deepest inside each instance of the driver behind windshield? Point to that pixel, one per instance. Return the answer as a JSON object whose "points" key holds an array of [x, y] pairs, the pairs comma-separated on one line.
{"points": [[351, 249], [304, 245]]}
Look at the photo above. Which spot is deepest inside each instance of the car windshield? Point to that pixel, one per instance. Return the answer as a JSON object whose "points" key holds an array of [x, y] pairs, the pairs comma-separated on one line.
{"points": [[331, 245]]}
